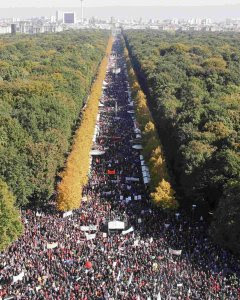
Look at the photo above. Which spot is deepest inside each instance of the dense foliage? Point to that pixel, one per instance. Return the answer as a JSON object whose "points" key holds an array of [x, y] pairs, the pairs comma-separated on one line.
{"points": [[10, 221], [44, 82], [74, 176], [162, 193], [192, 81]]}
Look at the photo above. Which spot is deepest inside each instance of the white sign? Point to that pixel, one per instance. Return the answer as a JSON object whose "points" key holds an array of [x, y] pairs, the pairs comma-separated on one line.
{"points": [[90, 236], [116, 225], [128, 231], [139, 221], [93, 227], [18, 277], [135, 179], [52, 246], [84, 228], [166, 225], [179, 285], [175, 252], [67, 214], [136, 243]]}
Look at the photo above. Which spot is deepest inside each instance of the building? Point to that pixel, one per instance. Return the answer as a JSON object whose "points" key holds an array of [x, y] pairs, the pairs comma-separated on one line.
{"points": [[13, 28], [5, 28], [59, 16], [69, 18]]}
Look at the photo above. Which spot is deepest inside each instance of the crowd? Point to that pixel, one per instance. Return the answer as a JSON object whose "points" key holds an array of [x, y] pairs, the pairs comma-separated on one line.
{"points": [[163, 257]]}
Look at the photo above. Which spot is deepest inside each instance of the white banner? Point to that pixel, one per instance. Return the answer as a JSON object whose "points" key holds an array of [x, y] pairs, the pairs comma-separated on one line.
{"points": [[116, 225], [175, 252], [84, 228], [179, 285], [67, 214], [90, 236], [93, 227], [128, 231], [52, 246], [136, 243], [18, 277], [134, 179]]}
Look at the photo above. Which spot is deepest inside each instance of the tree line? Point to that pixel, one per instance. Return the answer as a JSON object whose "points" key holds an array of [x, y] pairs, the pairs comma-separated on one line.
{"points": [[161, 191], [192, 82], [75, 174], [44, 83]]}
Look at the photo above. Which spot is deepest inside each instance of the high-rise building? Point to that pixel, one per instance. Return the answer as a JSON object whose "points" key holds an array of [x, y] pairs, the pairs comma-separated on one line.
{"points": [[69, 17], [13, 28], [59, 16]]}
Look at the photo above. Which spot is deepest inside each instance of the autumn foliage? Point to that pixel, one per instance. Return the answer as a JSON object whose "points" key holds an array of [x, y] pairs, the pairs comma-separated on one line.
{"points": [[162, 193], [74, 176]]}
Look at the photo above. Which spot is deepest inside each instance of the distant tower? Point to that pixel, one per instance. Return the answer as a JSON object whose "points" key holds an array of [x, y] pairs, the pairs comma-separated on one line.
{"points": [[82, 10]]}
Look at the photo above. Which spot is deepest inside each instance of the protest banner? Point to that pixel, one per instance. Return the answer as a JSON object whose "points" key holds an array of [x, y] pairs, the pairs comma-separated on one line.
{"points": [[19, 277], [90, 236], [116, 225], [52, 246], [124, 232], [175, 252], [84, 228], [67, 214]]}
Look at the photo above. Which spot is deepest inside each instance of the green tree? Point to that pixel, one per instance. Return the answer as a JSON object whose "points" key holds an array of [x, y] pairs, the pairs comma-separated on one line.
{"points": [[10, 221]]}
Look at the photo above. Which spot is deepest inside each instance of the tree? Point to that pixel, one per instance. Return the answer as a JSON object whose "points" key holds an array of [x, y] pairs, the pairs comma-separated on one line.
{"points": [[225, 228], [164, 196], [10, 222]]}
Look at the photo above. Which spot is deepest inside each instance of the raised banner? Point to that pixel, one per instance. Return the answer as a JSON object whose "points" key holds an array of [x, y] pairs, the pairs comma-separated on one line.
{"points": [[128, 231], [52, 246], [116, 225], [93, 227], [67, 214], [90, 236], [175, 252], [18, 277], [84, 228], [111, 172]]}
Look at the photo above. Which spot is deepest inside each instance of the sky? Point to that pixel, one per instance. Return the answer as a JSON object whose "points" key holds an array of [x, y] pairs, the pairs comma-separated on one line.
{"points": [[96, 3]]}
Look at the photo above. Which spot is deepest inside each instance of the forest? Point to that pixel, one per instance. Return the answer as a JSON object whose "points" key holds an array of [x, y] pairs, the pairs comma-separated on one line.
{"points": [[44, 83], [192, 83]]}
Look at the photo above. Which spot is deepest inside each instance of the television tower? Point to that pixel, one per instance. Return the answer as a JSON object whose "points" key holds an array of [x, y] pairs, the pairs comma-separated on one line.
{"points": [[82, 10]]}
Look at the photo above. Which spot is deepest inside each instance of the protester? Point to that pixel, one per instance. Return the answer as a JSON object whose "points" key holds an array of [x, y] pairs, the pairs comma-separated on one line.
{"points": [[163, 257]]}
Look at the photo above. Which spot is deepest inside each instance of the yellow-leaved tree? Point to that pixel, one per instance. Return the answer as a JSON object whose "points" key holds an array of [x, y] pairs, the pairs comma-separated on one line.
{"points": [[162, 193], [74, 176]]}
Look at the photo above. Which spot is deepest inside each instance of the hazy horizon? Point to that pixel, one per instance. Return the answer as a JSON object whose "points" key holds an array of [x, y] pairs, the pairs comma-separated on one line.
{"points": [[104, 3], [216, 12]]}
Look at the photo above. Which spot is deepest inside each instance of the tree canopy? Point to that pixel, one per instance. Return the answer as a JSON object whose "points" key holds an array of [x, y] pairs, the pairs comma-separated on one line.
{"points": [[192, 83], [44, 83]]}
